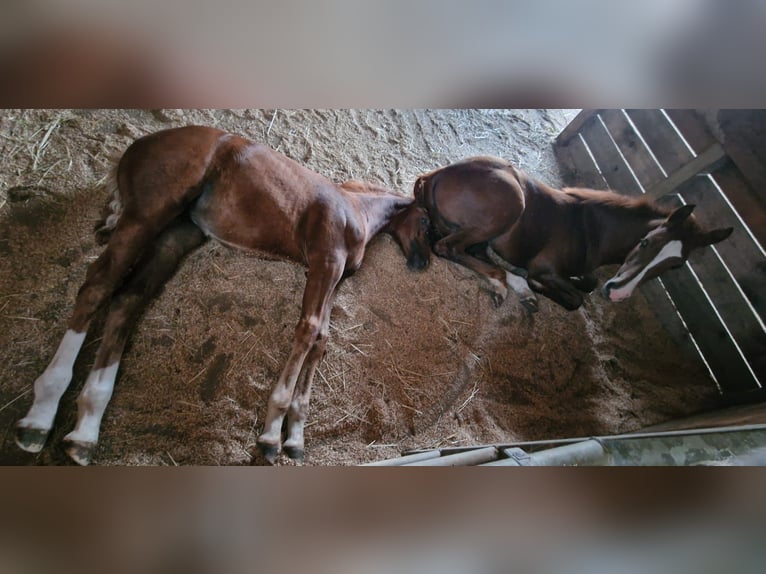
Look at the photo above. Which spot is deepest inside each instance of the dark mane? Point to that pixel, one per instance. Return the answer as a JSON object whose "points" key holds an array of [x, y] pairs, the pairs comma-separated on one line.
{"points": [[641, 205]]}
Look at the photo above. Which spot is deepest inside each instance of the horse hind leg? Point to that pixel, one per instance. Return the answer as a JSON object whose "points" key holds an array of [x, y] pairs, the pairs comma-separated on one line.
{"points": [[32, 430], [455, 247], [154, 269], [102, 277]]}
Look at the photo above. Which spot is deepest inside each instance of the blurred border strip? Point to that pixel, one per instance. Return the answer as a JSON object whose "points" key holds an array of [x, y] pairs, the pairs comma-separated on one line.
{"points": [[371, 519], [343, 53]]}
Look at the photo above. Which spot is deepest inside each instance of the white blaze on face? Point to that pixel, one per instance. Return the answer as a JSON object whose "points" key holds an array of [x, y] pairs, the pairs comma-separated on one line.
{"points": [[672, 249]]}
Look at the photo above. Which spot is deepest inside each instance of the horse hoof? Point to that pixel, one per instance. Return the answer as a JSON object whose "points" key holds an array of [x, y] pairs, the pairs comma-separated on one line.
{"points": [[269, 452], [530, 304], [294, 452], [31, 440], [80, 452]]}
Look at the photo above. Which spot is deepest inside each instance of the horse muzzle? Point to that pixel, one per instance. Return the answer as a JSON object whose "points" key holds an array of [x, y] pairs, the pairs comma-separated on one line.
{"points": [[417, 261], [611, 292]]}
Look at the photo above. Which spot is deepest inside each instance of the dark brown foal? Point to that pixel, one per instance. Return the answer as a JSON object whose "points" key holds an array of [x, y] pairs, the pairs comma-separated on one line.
{"points": [[171, 190], [518, 232]]}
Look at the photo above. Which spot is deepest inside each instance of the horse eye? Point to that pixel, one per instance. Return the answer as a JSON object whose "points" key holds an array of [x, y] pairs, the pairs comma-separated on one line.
{"points": [[644, 243], [423, 221]]}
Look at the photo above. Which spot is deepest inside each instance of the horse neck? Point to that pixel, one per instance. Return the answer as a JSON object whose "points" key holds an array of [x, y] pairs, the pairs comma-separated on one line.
{"points": [[619, 228], [378, 210]]}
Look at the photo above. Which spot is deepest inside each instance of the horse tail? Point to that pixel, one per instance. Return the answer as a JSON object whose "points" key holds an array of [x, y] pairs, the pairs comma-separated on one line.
{"points": [[112, 210]]}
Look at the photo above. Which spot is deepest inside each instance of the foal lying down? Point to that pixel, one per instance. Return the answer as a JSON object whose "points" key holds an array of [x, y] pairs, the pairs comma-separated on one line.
{"points": [[518, 232], [171, 190]]}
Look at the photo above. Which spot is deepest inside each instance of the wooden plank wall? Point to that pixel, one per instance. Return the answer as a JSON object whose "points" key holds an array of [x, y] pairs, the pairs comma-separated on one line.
{"points": [[716, 303]]}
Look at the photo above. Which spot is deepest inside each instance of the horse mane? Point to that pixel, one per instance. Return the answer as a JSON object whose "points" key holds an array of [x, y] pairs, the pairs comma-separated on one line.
{"points": [[640, 205], [362, 187]]}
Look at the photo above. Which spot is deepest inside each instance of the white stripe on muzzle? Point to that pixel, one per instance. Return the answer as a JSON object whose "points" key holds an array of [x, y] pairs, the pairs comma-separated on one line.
{"points": [[671, 249]]}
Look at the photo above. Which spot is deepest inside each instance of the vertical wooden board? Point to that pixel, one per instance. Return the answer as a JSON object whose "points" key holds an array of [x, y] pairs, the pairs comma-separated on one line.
{"points": [[714, 342], [693, 127], [742, 255], [618, 176], [733, 309], [661, 137], [577, 167], [744, 139], [699, 315], [659, 300], [644, 166], [612, 165], [743, 198]]}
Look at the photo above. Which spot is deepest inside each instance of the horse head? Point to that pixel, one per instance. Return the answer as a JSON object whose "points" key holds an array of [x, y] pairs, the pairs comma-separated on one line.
{"points": [[410, 228], [666, 246]]}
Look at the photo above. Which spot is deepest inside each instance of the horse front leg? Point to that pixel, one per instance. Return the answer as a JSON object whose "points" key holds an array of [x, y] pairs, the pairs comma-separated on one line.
{"points": [[585, 283], [516, 279], [299, 407], [323, 278], [555, 287]]}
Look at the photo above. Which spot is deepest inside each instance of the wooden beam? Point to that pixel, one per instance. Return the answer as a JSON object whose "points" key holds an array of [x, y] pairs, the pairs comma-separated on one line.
{"points": [[705, 162], [574, 126]]}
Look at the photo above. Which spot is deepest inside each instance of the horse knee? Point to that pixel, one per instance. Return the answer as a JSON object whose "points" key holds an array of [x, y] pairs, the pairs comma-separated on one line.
{"points": [[585, 283], [308, 331], [441, 248]]}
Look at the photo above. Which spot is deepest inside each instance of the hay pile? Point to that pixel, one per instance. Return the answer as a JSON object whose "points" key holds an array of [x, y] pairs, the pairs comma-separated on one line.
{"points": [[414, 360]]}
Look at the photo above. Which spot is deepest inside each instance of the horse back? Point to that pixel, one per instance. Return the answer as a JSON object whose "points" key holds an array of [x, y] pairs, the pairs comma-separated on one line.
{"points": [[482, 193]]}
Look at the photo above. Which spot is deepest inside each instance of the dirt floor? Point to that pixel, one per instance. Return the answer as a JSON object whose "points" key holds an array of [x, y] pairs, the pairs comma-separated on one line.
{"points": [[414, 360]]}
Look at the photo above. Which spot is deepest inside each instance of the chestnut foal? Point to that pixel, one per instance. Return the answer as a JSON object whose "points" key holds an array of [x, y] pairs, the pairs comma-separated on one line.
{"points": [[173, 188]]}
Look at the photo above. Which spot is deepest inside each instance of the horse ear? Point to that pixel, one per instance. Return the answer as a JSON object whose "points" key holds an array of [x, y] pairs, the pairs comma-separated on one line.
{"points": [[679, 215], [417, 192], [716, 235]]}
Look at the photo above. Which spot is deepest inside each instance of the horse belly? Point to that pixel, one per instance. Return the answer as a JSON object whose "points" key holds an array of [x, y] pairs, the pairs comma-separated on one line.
{"points": [[251, 222]]}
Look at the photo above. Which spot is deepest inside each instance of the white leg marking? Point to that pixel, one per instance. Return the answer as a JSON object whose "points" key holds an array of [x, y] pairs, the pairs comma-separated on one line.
{"points": [[279, 400], [52, 383], [671, 249], [295, 432], [282, 395], [91, 404], [518, 284]]}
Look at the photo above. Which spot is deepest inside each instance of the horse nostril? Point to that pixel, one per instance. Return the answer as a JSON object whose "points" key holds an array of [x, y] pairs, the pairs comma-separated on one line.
{"points": [[417, 262]]}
